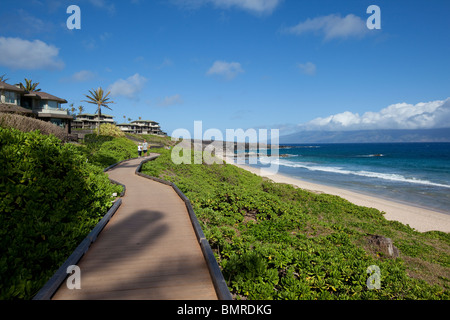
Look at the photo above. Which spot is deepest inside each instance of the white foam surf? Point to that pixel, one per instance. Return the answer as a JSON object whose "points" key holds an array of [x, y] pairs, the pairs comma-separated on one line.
{"points": [[379, 175]]}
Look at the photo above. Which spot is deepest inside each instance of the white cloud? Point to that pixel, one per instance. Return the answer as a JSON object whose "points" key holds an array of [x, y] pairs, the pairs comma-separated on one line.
{"points": [[105, 36], [257, 6], [423, 115], [166, 63], [81, 76], [129, 87], [105, 5], [332, 26], [21, 22], [254, 6], [228, 70], [170, 101], [17, 53], [308, 68]]}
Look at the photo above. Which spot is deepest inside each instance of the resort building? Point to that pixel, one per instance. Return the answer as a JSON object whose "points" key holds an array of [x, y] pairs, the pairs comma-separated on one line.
{"points": [[41, 105], [89, 121], [10, 99], [142, 127], [46, 107]]}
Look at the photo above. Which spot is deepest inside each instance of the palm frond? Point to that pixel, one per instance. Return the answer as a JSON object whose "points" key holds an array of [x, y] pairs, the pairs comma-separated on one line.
{"points": [[3, 78], [30, 86]]}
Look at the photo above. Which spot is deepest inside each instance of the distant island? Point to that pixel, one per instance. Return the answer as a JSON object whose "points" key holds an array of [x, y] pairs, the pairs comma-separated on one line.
{"points": [[369, 136]]}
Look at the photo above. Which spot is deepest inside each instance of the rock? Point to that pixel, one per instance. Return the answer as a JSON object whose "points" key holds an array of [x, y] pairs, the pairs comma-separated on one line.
{"points": [[384, 245]]}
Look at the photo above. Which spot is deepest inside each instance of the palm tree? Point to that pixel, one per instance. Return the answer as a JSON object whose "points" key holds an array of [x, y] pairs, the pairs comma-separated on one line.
{"points": [[81, 109], [3, 78], [99, 98], [30, 86]]}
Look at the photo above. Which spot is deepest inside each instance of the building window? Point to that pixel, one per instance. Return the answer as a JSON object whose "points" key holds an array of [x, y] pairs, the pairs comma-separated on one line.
{"points": [[10, 97], [53, 105], [57, 122]]}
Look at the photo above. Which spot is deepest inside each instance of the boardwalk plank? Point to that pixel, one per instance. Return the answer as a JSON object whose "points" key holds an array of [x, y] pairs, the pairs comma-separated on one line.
{"points": [[148, 250], [169, 293]]}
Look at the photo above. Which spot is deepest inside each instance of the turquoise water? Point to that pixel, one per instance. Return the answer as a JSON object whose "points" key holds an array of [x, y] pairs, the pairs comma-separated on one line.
{"points": [[415, 173]]}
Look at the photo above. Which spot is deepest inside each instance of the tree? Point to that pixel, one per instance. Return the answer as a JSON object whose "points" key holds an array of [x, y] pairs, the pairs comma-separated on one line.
{"points": [[99, 98], [81, 109], [30, 86], [3, 78]]}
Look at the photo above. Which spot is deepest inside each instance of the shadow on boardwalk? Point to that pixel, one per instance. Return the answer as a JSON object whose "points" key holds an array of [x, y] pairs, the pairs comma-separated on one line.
{"points": [[148, 250]]}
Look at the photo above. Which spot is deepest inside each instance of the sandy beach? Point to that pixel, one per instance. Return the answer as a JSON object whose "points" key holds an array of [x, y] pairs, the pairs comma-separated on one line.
{"points": [[418, 218], [421, 219]]}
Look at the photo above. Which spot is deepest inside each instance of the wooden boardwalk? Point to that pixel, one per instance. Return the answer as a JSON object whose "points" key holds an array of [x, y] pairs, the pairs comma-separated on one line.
{"points": [[148, 250]]}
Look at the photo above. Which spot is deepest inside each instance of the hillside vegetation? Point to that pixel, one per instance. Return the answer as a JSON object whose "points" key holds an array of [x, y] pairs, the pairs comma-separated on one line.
{"points": [[106, 150], [274, 241], [52, 194], [50, 199]]}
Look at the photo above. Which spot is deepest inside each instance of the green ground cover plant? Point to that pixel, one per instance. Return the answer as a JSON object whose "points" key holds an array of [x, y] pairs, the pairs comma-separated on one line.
{"points": [[51, 196], [153, 140], [274, 241], [50, 199], [105, 150]]}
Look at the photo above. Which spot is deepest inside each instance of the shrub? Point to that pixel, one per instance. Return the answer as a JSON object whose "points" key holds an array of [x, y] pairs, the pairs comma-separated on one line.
{"points": [[27, 124], [108, 129], [104, 151], [50, 199]]}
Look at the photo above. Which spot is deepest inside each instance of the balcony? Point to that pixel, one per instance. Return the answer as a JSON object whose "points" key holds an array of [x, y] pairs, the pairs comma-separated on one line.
{"points": [[58, 111]]}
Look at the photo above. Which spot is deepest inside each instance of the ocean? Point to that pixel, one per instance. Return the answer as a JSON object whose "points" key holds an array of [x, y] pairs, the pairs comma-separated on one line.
{"points": [[413, 173]]}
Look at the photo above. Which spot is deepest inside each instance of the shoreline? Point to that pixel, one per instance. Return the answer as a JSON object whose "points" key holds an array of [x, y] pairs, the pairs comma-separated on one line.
{"points": [[421, 219]]}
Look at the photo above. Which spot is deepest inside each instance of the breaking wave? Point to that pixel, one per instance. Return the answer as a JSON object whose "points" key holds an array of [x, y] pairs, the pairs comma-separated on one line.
{"points": [[386, 176], [371, 155]]}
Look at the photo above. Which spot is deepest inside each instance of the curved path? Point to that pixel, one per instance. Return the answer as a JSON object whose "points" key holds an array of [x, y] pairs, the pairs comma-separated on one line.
{"points": [[148, 250]]}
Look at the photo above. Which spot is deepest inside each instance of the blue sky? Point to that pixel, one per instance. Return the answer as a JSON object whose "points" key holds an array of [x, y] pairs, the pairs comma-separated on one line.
{"points": [[286, 64]]}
